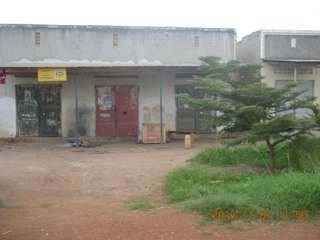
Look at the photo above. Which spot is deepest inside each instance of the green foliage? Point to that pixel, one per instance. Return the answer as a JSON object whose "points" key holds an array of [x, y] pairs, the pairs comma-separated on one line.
{"points": [[244, 103], [241, 192], [316, 114], [280, 129], [139, 205], [4, 205], [45, 205], [185, 184], [251, 155], [202, 190], [305, 154]]}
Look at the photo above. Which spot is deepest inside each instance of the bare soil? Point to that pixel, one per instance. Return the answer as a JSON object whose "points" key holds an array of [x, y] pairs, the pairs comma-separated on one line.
{"points": [[80, 193]]}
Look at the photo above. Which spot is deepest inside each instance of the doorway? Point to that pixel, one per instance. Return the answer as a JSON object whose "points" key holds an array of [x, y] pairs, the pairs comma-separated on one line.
{"points": [[188, 119], [117, 111], [38, 110]]}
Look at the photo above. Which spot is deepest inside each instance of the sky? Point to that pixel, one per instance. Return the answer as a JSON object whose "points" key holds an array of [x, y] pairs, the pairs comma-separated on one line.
{"points": [[246, 16]]}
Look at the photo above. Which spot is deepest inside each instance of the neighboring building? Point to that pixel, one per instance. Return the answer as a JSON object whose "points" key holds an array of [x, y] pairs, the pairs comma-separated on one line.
{"points": [[285, 56], [113, 78]]}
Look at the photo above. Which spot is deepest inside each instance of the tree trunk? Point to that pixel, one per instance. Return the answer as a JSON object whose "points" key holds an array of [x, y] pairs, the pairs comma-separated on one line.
{"points": [[272, 154]]}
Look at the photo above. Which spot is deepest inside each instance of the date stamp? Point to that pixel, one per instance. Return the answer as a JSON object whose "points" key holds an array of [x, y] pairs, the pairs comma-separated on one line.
{"points": [[252, 215]]}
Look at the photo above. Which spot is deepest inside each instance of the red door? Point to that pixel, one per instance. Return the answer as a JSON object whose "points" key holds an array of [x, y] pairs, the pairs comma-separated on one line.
{"points": [[117, 111]]}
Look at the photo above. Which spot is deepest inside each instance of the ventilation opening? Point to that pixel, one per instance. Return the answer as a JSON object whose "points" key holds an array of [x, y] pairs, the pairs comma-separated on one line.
{"points": [[37, 38], [117, 76], [115, 39], [293, 42], [188, 75], [196, 41]]}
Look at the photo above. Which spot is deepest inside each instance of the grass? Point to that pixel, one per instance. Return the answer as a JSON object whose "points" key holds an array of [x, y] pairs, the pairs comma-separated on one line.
{"points": [[207, 233], [45, 205], [139, 205], [251, 155], [248, 197], [305, 154], [243, 192], [4, 205]]}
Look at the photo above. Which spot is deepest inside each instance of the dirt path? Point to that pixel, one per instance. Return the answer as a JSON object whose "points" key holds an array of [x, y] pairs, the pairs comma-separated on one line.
{"points": [[70, 193]]}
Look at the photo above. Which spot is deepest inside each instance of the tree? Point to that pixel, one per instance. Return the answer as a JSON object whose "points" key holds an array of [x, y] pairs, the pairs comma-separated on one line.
{"points": [[237, 100]]}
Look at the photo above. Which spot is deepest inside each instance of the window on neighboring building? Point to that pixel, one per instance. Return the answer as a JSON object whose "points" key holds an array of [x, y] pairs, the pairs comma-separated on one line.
{"points": [[291, 71], [309, 86]]}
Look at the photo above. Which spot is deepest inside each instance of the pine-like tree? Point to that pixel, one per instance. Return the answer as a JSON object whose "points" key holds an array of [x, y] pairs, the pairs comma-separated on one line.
{"points": [[237, 100]]}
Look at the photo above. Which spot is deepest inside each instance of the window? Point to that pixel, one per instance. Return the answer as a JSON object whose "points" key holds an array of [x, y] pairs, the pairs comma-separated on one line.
{"points": [[291, 71], [309, 86]]}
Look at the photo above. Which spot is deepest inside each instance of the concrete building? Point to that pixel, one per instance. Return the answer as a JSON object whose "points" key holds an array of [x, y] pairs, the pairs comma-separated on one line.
{"points": [[106, 80], [285, 56]]}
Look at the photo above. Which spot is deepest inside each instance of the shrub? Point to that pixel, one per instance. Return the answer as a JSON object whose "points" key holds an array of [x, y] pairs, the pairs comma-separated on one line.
{"points": [[304, 154]]}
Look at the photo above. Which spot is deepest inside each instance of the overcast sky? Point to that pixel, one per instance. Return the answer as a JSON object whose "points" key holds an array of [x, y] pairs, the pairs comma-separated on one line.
{"points": [[246, 16]]}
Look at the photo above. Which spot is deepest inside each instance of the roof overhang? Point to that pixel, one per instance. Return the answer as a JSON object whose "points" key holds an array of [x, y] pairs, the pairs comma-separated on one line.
{"points": [[98, 68], [91, 64], [292, 62]]}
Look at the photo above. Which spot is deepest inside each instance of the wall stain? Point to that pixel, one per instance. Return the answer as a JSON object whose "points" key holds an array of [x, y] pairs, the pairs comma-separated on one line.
{"points": [[84, 120], [152, 115]]}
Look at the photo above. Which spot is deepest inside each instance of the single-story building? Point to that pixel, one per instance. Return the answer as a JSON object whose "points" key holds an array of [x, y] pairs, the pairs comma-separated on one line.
{"points": [[101, 81], [286, 55]]}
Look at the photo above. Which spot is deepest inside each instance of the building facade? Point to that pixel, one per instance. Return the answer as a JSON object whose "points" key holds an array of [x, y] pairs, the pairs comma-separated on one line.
{"points": [[286, 56], [101, 81]]}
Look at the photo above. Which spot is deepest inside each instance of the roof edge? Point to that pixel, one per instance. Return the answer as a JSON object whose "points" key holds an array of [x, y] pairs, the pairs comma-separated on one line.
{"points": [[118, 27]]}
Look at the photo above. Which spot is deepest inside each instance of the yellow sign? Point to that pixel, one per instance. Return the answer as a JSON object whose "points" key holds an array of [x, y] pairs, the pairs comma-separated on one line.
{"points": [[52, 74]]}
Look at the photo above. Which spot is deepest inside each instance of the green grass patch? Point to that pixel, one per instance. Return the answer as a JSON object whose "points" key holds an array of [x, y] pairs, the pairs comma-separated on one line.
{"points": [[45, 205], [4, 205], [207, 233], [139, 205], [236, 195], [251, 155]]}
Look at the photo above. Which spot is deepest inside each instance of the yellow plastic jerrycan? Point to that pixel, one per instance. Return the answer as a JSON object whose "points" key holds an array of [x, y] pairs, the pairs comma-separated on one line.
{"points": [[187, 141]]}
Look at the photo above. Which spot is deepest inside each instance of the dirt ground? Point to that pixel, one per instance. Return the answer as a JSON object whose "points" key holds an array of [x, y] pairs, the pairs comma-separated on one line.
{"points": [[79, 193]]}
